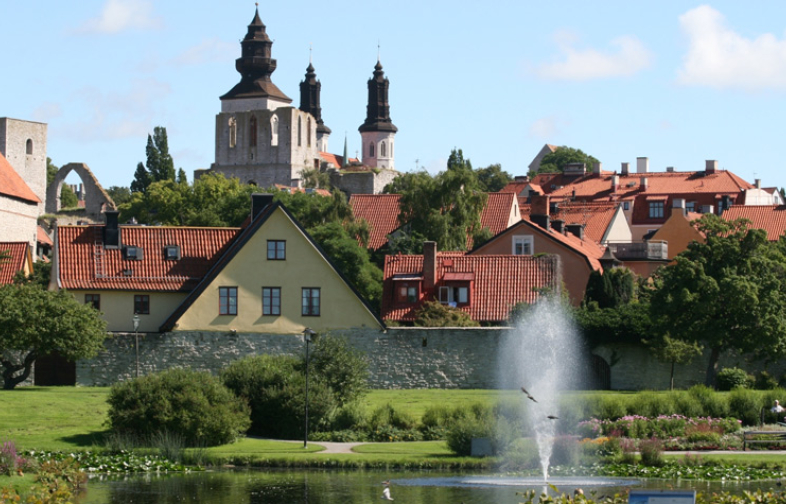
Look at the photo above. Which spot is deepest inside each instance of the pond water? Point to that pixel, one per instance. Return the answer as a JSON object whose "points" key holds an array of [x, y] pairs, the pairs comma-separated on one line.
{"points": [[342, 487]]}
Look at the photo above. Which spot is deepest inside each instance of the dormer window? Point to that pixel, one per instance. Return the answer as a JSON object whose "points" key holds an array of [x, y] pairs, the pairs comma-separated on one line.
{"points": [[134, 253], [457, 288], [172, 252], [406, 288]]}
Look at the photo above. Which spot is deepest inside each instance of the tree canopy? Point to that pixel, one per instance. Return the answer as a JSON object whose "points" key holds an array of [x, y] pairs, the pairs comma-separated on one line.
{"points": [[727, 293], [35, 322], [445, 208], [555, 162], [159, 165], [492, 178]]}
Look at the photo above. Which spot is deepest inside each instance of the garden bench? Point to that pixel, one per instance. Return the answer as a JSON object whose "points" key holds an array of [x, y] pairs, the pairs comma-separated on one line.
{"points": [[750, 437]]}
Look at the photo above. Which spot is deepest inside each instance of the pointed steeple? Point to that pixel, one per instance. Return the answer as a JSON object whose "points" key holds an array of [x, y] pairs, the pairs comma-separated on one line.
{"points": [[255, 66], [310, 89], [345, 161], [378, 108]]}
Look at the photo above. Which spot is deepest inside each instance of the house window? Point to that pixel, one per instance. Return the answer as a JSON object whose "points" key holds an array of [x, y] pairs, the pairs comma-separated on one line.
{"points": [[252, 131], [93, 299], [406, 292], [383, 150], [626, 205], [227, 300], [656, 209], [371, 149], [523, 245], [29, 147], [274, 131], [299, 131], [134, 253], [276, 250], [310, 302], [172, 252], [308, 132], [454, 294], [142, 304], [271, 301], [690, 206]]}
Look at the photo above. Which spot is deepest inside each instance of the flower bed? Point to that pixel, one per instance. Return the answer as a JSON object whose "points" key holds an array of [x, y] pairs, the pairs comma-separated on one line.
{"points": [[707, 430]]}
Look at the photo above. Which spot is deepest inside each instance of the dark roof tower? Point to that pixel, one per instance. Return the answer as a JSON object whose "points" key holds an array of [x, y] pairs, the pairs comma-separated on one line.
{"points": [[378, 108], [310, 90], [255, 66]]}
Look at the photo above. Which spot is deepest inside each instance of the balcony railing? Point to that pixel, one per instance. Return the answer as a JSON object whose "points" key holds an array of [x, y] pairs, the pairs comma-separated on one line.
{"points": [[649, 250]]}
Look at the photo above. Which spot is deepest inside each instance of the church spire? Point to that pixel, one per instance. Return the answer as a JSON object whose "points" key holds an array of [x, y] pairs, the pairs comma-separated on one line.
{"points": [[378, 108], [310, 89], [255, 65]]}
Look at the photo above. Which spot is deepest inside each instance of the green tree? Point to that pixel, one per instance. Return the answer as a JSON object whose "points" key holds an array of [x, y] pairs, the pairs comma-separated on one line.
{"points": [[492, 178], [445, 208], [343, 368], [610, 288], [159, 162], [35, 322], [627, 323], [141, 179], [673, 351], [316, 179], [119, 194], [436, 314], [555, 162], [727, 293], [182, 178]]}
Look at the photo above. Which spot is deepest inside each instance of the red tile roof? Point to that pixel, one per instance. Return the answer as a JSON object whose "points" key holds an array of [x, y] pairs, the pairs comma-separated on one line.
{"points": [[81, 265], [591, 251], [595, 215], [18, 253], [515, 187], [496, 213], [11, 184], [770, 218], [380, 211], [335, 159], [500, 281], [42, 237]]}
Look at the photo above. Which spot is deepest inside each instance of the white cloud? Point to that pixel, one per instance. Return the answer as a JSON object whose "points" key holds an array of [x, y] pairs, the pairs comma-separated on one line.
{"points": [[545, 127], [719, 57], [47, 111], [208, 51], [115, 115], [122, 15], [626, 56]]}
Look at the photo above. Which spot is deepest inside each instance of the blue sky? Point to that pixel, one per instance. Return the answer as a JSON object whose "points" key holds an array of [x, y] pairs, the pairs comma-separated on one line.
{"points": [[674, 81]]}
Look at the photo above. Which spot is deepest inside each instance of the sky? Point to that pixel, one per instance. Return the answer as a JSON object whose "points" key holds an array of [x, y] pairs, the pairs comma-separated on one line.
{"points": [[674, 81]]}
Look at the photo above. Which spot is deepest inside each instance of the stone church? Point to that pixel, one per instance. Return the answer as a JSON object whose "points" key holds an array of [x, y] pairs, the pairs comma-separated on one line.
{"points": [[262, 138]]}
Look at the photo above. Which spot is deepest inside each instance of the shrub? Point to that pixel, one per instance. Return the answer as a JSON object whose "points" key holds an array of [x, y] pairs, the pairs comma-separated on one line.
{"points": [[651, 451], [712, 403], [388, 416], [274, 387], [652, 404], [731, 378], [461, 433], [707, 437], [435, 314], [192, 404], [765, 381], [342, 367], [745, 405], [611, 407], [350, 416]]}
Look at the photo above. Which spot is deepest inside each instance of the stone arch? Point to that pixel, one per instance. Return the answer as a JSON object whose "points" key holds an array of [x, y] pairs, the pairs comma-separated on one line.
{"points": [[96, 199]]}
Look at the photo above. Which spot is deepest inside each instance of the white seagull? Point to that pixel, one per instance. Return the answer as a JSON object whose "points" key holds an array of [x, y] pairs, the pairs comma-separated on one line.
{"points": [[386, 491]]}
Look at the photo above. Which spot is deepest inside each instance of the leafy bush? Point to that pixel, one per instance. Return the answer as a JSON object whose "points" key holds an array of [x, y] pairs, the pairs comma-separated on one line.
{"points": [[652, 404], [461, 433], [342, 367], [436, 314], [388, 416], [765, 381], [192, 404], [611, 407], [350, 416], [745, 405], [274, 387], [651, 451], [731, 378]]}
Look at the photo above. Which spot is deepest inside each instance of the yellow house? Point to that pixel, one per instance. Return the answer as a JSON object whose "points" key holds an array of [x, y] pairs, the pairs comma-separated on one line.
{"points": [[268, 277]]}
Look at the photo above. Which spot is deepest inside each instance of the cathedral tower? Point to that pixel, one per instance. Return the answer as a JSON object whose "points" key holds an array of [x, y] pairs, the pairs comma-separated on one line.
{"points": [[310, 90], [377, 132]]}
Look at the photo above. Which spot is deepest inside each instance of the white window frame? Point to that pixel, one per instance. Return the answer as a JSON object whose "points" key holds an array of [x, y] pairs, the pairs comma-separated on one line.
{"points": [[525, 241]]}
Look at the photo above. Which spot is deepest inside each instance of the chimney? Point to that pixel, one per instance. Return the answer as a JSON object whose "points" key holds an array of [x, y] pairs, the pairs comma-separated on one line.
{"points": [[539, 213], [625, 168], [558, 225], [642, 165], [576, 230], [429, 264], [111, 230], [258, 203], [521, 178], [644, 183], [669, 169], [678, 203], [711, 166], [757, 183], [615, 182], [597, 168]]}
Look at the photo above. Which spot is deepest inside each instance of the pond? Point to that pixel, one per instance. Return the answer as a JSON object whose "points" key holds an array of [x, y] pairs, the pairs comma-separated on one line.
{"points": [[342, 487]]}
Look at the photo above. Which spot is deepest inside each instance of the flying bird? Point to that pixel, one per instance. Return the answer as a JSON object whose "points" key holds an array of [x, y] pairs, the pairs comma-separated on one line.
{"points": [[552, 417], [529, 396]]}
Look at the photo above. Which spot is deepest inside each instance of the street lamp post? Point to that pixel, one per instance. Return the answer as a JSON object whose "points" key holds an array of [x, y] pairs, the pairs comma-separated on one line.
{"points": [[307, 335], [136, 341]]}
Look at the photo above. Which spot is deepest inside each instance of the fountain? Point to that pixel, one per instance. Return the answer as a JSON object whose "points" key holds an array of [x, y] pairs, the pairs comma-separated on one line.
{"points": [[540, 356]]}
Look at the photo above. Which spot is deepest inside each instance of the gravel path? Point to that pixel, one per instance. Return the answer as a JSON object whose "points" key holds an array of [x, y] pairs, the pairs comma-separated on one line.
{"points": [[337, 447]]}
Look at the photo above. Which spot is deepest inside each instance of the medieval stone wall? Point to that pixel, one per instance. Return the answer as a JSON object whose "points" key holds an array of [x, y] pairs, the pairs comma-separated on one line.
{"points": [[367, 182], [467, 358]]}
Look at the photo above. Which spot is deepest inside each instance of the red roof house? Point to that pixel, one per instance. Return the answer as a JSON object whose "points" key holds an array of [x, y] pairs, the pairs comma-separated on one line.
{"points": [[486, 287], [20, 258], [771, 218]]}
